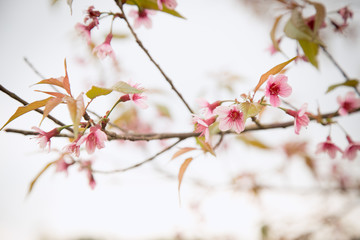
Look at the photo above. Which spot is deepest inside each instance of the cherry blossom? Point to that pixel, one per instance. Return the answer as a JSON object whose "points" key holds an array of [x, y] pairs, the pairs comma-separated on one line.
{"points": [[44, 137], [142, 18], [105, 48], [202, 126], [170, 4], [277, 86], [73, 147], [84, 30], [138, 98], [345, 13], [351, 150], [349, 103], [95, 139], [328, 147], [86, 166], [208, 108], [301, 117], [62, 165], [93, 15], [230, 118]]}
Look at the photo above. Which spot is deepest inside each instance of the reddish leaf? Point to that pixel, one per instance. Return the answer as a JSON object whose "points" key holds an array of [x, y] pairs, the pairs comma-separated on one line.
{"points": [[66, 80], [24, 109], [272, 33], [76, 109], [272, 71], [182, 171], [50, 105], [182, 151]]}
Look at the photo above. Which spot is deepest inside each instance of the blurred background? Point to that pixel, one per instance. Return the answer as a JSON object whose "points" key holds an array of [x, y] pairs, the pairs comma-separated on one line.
{"points": [[263, 185]]}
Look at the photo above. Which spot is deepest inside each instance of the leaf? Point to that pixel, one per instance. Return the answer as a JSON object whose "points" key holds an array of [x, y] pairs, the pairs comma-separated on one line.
{"points": [[163, 110], [310, 50], [206, 147], [76, 109], [252, 141], [24, 109], [250, 109], [50, 105], [272, 71], [348, 83], [55, 94], [296, 28], [319, 17], [124, 87], [38, 175], [182, 171], [272, 33], [69, 2], [66, 82], [182, 151], [152, 4], [97, 91]]}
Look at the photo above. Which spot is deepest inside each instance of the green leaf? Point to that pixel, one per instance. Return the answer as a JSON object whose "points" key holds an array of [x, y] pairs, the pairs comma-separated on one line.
{"points": [[24, 109], [310, 50], [163, 110], [206, 147], [296, 28], [319, 17], [252, 141], [349, 83], [97, 91], [250, 109], [152, 4], [123, 87]]}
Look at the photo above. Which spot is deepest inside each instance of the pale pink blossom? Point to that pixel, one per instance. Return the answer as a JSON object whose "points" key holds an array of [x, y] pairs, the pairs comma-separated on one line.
{"points": [[349, 103], [202, 126], [138, 98], [230, 118], [62, 165], [351, 150], [301, 117], [328, 147], [277, 86], [44, 138], [85, 30], [208, 108], [170, 4], [345, 13], [87, 166], [142, 17], [95, 139], [73, 147], [105, 48]]}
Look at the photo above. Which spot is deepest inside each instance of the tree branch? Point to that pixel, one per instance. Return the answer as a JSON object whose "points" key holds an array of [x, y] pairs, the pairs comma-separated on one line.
{"points": [[120, 5]]}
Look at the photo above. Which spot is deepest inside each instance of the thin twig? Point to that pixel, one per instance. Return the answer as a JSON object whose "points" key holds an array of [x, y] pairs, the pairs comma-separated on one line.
{"points": [[140, 163], [120, 5]]}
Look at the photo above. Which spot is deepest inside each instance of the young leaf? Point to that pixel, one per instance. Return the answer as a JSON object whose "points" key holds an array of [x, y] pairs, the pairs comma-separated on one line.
{"points": [[272, 33], [182, 151], [38, 175], [24, 109], [97, 91], [206, 147], [272, 71], [69, 2], [76, 109], [252, 141], [250, 109], [296, 28], [319, 17], [152, 4], [50, 105], [123, 87], [349, 83], [182, 171], [310, 50]]}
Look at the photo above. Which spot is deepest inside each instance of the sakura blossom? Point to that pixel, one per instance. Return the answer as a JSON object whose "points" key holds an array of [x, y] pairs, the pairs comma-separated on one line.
{"points": [[345, 13], [44, 137], [138, 98], [277, 86], [142, 17], [351, 150], [349, 103], [105, 48], [62, 165], [170, 4], [84, 30], [208, 108], [202, 126], [87, 166], [93, 15], [95, 139], [73, 148], [301, 117], [230, 118], [328, 147]]}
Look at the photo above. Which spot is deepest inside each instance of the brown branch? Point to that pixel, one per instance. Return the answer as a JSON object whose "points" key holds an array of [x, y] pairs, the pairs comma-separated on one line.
{"points": [[140, 163], [141, 45], [22, 101]]}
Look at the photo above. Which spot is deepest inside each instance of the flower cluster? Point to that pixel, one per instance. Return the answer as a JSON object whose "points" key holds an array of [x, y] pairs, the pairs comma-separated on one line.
{"points": [[331, 149]]}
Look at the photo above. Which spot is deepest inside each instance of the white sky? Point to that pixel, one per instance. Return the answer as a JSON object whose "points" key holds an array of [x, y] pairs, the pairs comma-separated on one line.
{"points": [[216, 36]]}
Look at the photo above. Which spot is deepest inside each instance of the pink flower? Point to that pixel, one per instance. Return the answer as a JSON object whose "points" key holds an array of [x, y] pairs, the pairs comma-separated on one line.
{"points": [[105, 48], [73, 147], [93, 15], [202, 126], [277, 86], [350, 151], [95, 139], [310, 21], [208, 108], [301, 117], [138, 98], [349, 103], [170, 4], [85, 30], [62, 165], [230, 118], [141, 17], [86, 165], [44, 137], [345, 13], [328, 147]]}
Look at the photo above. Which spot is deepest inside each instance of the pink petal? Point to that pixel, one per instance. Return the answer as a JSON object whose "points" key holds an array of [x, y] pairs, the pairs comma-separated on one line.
{"points": [[274, 100]]}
